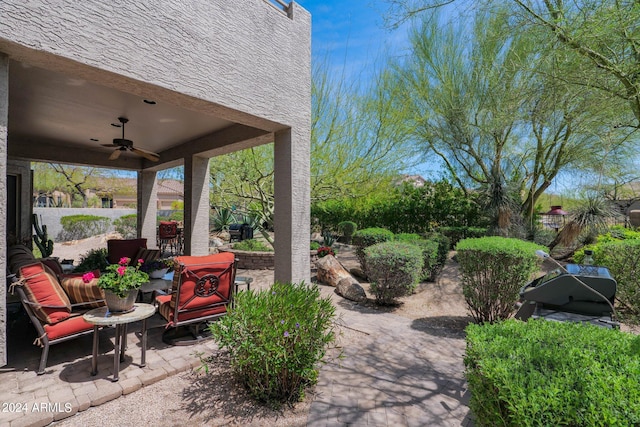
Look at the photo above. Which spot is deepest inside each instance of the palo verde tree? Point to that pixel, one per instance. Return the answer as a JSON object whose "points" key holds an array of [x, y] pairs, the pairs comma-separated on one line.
{"points": [[600, 36], [482, 103]]}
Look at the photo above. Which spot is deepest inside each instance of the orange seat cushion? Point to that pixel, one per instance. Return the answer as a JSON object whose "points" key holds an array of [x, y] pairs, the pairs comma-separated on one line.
{"points": [[70, 326], [42, 289]]}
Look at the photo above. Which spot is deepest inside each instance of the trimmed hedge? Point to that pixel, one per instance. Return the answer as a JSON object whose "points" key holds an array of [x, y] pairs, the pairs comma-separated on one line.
{"points": [[430, 258], [493, 271], [75, 227], [455, 234], [127, 226], [393, 269], [622, 258], [542, 373], [346, 229], [369, 237]]}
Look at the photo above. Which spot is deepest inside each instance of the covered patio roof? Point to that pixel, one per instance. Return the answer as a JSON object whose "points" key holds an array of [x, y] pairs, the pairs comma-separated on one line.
{"points": [[195, 80]]}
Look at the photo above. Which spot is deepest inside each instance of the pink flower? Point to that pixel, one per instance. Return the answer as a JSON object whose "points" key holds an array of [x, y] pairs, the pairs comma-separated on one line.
{"points": [[140, 261], [87, 277], [121, 270], [124, 261]]}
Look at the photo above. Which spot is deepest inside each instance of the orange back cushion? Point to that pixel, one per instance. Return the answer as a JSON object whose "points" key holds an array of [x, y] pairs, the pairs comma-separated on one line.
{"points": [[42, 288], [208, 276], [80, 292]]}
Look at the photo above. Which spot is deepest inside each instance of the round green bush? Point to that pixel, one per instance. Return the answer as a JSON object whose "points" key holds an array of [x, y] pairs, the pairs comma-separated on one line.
{"points": [[394, 269], [493, 271], [276, 338], [252, 245], [347, 228], [368, 237], [127, 226]]}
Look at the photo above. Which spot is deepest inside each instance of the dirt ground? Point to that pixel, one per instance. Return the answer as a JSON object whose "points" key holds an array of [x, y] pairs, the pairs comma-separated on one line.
{"points": [[191, 398]]}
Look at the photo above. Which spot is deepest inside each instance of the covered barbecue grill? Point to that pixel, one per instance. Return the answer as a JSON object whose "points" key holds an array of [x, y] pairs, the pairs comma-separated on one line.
{"points": [[560, 296]]}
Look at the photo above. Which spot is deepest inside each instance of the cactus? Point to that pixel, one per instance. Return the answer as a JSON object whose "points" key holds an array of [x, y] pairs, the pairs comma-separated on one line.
{"points": [[41, 238]]}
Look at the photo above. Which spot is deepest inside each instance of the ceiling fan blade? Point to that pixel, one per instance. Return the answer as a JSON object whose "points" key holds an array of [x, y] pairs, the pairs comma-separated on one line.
{"points": [[146, 154], [116, 153], [109, 145]]}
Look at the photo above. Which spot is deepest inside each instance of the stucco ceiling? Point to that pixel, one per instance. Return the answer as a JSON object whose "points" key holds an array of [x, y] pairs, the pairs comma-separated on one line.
{"points": [[49, 106]]}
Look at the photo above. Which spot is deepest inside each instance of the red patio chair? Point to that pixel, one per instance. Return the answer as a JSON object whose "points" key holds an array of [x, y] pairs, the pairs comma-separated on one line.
{"points": [[203, 288]]}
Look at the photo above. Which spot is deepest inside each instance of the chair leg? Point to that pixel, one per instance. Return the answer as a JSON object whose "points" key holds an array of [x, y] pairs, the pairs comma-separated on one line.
{"points": [[44, 356]]}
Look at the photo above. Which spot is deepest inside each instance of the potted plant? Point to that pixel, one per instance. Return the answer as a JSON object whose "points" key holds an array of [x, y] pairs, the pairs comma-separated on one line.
{"points": [[157, 268], [120, 283]]}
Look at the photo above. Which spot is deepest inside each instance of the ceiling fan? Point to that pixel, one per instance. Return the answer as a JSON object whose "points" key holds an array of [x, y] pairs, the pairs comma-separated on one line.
{"points": [[123, 144]]}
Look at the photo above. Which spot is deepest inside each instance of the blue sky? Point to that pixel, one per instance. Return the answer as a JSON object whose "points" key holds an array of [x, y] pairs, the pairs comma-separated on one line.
{"points": [[350, 34]]}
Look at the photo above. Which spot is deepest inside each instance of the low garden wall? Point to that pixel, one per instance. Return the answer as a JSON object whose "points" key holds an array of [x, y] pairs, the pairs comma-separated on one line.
{"points": [[250, 260]]}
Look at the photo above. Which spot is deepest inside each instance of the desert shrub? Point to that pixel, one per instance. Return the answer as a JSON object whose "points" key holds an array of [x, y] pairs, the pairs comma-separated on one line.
{"points": [[127, 226], [276, 338], [444, 244], [493, 271], [252, 245], [368, 237], [95, 259], [455, 234], [76, 227], [406, 237], [404, 209], [429, 250], [346, 229], [541, 373], [622, 258], [394, 269]]}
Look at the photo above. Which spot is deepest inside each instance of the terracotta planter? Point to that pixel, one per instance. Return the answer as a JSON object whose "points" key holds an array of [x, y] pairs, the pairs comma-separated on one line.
{"points": [[117, 304]]}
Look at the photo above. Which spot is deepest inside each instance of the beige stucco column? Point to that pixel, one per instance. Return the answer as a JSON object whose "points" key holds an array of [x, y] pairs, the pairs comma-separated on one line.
{"points": [[147, 206], [4, 121], [292, 206], [196, 213]]}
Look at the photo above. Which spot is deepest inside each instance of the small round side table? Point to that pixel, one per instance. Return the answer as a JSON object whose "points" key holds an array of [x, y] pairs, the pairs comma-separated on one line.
{"points": [[103, 317]]}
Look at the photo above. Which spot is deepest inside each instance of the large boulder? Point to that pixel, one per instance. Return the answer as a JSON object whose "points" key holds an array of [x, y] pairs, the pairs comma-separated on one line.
{"points": [[350, 289], [330, 271]]}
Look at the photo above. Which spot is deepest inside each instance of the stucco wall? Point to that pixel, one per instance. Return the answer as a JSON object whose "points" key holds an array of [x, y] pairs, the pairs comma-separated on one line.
{"points": [[244, 55]]}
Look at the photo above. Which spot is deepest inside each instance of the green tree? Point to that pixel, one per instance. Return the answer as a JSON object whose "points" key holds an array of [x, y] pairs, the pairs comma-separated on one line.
{"points": [[484, 104], [601, 36]]}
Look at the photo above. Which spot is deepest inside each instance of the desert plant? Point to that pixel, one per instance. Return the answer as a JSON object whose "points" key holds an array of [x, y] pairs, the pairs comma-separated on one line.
{"points": [[591, 216], [622, 258], [222, 219], [314, 245], [95, 259], [328, 238], [394, 269], [368, 237], [493, 271], [276, 338], [347, 228], [252, 245], [541, 373], [76, 227], [127, 226], [41, 238]]}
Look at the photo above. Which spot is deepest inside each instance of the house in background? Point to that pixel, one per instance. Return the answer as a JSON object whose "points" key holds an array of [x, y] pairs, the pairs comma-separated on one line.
{"points": [[192, 79]]}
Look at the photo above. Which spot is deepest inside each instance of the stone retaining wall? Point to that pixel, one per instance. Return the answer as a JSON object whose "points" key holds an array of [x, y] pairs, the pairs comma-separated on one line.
{"points": [[249, 260]]}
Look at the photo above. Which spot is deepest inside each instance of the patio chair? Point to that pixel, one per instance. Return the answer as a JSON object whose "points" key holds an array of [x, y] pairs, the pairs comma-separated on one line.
{"points": [[134, 249], [168, 236], [51, 310], [203, 288]]}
